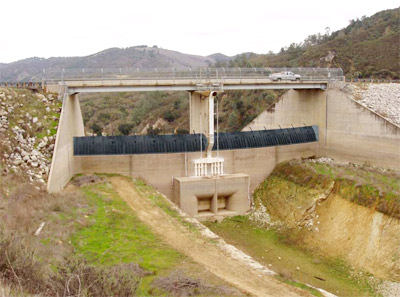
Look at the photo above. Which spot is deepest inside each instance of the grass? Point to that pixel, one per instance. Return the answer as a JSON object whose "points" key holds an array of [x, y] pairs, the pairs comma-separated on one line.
{"points": [[313, 291], [363, 185], [160, 201], [115, 235], [271, 249]]}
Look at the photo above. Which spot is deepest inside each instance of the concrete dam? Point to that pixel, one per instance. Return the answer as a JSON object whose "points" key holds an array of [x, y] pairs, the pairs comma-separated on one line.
{"points": [[209, 174]]}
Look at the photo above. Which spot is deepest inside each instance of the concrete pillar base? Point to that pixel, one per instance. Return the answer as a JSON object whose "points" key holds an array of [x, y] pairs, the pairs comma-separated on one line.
{"points": [[210, 198], [64, 165]]}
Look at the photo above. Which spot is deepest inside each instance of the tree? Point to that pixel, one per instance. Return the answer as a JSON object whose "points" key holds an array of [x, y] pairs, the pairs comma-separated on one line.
{"points": [[97, 129], [125, 129], [151, 131], [233, 121]]}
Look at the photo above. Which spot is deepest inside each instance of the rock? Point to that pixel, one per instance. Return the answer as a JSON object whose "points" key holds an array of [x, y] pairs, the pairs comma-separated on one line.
{"points": [[34, 120], [42, 144], [34, 164], [33, 158], [17, 161], [298, 268], [48, 109]]}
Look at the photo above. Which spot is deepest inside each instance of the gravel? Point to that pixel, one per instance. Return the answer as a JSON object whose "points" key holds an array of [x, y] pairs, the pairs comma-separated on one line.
{"points": [[383, 99], [390, 289]]}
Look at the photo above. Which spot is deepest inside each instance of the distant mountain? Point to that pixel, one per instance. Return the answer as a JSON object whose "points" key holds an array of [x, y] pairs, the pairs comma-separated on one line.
{"points": [[136, 57], [367, 47], [219, 57]]}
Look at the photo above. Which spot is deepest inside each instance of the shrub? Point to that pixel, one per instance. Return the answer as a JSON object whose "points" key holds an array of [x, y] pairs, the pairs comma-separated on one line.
{"points": [[97, 129], [125, 129], [182, 131]]}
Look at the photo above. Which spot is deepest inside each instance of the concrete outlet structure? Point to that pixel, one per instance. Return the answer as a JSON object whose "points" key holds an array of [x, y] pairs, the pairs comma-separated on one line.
{"points": [[210, 197], [205, 185]]}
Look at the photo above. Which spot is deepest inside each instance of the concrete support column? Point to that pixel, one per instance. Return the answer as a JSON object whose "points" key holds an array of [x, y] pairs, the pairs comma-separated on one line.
{"points": [[64, 165], [214, 203], [199, 113]]}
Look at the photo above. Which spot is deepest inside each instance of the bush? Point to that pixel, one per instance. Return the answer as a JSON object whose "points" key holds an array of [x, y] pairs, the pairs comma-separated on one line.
{"points": [[182, 131], [20, 268], [125, 129], [97, 129], [170, 116], [153, 131], [178, 284]]}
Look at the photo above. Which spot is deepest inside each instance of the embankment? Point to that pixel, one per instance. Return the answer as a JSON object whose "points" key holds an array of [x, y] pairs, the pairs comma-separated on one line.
{"points": [[339, 210]]}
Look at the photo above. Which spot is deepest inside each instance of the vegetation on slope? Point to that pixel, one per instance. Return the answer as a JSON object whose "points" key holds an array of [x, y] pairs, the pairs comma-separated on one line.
{"points": [[367, 47], [364, 185], [274, 248], [92, 244], [280, 236], [166, 112]]}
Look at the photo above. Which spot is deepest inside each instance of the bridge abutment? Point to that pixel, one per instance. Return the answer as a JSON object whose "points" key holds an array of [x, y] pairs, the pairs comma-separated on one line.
{"points": [[64, 164]]}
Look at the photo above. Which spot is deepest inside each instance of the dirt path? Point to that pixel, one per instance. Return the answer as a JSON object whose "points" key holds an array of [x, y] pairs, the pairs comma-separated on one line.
{"points": [[200, 249]]}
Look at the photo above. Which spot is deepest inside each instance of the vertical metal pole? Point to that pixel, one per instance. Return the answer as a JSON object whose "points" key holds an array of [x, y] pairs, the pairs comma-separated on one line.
{"points": [[217, 129]]}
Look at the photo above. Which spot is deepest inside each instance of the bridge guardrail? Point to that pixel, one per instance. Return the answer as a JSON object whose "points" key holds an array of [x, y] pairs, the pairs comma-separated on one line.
{"points": [[200, 74]]}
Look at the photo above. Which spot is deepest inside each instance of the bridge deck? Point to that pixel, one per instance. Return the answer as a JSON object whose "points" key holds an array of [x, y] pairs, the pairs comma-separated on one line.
{"points": [[121, 85]]}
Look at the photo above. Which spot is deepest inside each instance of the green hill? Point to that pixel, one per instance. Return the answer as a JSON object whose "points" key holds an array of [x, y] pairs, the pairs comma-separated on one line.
{"points": [[367, 47]]}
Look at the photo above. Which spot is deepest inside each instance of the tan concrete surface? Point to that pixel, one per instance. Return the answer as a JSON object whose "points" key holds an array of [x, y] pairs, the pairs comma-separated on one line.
{"points": [[297, 108], [160, 169], [198, 105], [219, 195], [358, 135], [347, 130], [64, 165]]}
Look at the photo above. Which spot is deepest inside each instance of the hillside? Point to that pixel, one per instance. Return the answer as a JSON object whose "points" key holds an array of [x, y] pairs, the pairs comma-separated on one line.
{"points": [[167, 112], [367, 47], [134, 57]]}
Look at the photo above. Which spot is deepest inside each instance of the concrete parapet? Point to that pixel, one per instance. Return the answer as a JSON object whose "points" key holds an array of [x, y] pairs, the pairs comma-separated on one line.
{"points": [[210, 197]]}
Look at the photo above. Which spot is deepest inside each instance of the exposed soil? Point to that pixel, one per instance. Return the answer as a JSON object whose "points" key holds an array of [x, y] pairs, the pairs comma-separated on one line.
{"points": [[200, 249]]}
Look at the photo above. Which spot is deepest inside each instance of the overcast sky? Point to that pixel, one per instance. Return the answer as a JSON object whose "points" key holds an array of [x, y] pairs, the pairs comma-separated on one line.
{"points": [[47, 28]]}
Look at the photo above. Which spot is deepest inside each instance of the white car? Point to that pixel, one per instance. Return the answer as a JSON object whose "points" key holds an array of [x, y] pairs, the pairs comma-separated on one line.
{"points": [[285, 75]]}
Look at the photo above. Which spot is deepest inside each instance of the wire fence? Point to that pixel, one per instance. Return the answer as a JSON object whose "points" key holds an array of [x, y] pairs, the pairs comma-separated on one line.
{"points": [[56, 75]]}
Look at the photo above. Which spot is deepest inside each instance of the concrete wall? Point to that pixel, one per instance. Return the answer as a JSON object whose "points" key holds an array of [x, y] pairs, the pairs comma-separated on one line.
{"points": [[356, 134], [64, 165], [160, 169], [297, 108], [347, 130]]}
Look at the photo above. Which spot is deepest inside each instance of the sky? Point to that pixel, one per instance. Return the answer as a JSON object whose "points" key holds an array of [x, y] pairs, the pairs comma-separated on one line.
{"points": [[48, 28]]}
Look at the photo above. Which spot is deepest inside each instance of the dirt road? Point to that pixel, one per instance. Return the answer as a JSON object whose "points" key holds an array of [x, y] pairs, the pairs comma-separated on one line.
{"points": [[201, 250]]}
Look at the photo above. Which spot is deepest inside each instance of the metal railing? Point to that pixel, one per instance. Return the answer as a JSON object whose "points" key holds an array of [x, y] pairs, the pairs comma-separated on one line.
{"points": [[201, 74]]}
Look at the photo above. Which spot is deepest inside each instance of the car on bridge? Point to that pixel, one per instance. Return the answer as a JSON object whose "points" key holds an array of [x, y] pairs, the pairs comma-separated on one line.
{"points": [[285, 75]]}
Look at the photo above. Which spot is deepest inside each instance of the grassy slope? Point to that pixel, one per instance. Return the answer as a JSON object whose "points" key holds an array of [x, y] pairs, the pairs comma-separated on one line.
{"points": [[271, 247], [363, 185], [91, 225], [116, 236]]}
